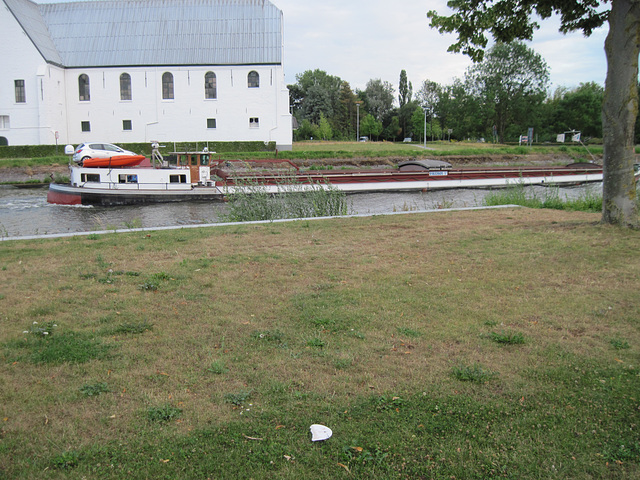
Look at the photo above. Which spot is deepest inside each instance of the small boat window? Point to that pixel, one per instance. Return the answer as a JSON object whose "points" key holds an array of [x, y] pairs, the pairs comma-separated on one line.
{"points": [[90, 177], [183, 160], [124, 178], [194, 160], [177, 179], [204, 160]]}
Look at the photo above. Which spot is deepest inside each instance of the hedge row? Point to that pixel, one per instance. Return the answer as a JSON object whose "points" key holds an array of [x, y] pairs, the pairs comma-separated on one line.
{"points": [[33, 151]]}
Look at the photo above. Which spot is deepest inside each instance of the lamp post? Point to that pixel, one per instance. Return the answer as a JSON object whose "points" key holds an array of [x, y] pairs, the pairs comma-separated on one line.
{"points": [[425, 128], [358, 121]]}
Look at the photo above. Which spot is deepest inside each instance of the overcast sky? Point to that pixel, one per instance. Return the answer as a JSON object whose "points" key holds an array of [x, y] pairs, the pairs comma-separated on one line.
{"points": [[358, 40]]}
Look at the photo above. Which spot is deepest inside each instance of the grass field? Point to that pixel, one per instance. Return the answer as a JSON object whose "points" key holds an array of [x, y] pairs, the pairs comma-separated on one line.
{"points": [[486, 344]]}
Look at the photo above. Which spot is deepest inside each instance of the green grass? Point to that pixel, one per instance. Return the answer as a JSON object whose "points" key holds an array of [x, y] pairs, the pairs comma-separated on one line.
{"points": [[32, 162], [519, 195], [472, 373], [400, 333]]}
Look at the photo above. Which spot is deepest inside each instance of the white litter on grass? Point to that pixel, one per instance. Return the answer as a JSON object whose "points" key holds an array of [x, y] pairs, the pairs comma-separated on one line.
{"points": [[320, 432]]}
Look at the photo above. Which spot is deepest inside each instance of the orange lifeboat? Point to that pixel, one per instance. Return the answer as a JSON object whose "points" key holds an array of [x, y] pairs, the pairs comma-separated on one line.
{"points": [[117, 161]]}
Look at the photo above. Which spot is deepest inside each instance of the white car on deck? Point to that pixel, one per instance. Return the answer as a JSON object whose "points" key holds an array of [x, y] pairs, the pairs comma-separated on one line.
{"points": [[98, 150]]}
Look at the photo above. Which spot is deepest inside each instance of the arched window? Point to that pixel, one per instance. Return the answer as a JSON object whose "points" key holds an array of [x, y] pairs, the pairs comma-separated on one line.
{"points": [[125, 86], [253, 79], [167, 86], [210, 85], [83, 88]]}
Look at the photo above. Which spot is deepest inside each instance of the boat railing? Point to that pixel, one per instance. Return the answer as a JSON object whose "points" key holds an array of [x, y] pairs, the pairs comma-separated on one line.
{"points": [[137, 186]]}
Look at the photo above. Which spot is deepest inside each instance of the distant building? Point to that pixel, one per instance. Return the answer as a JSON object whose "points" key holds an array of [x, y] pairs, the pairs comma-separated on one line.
{"points": [[142, 70]]}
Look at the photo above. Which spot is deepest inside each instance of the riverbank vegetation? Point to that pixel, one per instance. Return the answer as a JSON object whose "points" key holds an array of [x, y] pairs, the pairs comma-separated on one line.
{"points": [[294, 200], [475, 344], [519, 194]]}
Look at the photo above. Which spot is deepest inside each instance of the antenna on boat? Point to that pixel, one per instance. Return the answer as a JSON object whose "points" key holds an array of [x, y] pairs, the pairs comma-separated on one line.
{"points": [[156, 156]]}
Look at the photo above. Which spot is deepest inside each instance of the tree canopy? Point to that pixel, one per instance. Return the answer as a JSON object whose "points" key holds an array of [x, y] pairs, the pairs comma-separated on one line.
{"points": [[511, 80], [508, 20]]}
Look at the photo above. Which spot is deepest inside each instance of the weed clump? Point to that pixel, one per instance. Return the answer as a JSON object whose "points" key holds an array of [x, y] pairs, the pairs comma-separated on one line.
{"points": [[507, 338], [94, 389], [472, 373], [238, 399], [163, 413]]}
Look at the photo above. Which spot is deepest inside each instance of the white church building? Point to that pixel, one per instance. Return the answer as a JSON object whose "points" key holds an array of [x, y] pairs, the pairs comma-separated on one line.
{"points": [[125, 71]]}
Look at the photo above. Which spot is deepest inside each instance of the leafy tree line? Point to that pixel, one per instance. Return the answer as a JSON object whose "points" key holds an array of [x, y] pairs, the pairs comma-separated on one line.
{"points": [[498, 99]]}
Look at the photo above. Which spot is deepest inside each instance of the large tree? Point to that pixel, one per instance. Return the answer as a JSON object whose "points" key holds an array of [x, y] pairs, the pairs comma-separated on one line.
{"points": [[405, 89], [378, 98], [507, 20], [511, 81], [315, 93], [579, 109]]}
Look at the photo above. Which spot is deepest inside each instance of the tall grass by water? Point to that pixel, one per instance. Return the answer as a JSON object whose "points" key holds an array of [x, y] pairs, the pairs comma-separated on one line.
{"points": [[293, 200], [519, 194]]}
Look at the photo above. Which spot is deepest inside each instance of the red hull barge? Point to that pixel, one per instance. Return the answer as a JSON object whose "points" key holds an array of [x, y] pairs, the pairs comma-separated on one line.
{"points": [[197, 177]]}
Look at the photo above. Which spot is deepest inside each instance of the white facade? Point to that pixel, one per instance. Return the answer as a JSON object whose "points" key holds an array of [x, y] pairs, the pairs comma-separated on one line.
{"points": [[54, 107], [27, 122]]}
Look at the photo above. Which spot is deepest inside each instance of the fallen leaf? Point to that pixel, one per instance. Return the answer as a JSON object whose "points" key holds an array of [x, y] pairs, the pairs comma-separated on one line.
{"points": [[165, 461], [345, 467], [357, 449], [252, 438], [279, 426]]}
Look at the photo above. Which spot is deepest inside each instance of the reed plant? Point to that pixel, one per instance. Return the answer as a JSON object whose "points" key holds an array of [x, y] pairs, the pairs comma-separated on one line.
{"points": [[520, 194], [253, 202]]}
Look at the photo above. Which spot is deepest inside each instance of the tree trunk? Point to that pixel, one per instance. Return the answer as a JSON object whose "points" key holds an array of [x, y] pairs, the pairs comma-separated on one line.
{"points": [[619, 112]]}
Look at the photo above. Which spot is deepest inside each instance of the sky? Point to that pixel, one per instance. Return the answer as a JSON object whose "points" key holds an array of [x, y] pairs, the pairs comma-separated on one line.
{"points": [[359, 40]]}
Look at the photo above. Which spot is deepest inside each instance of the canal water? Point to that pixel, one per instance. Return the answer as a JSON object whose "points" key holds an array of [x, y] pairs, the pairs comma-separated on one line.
{"points": [[25, 212]]}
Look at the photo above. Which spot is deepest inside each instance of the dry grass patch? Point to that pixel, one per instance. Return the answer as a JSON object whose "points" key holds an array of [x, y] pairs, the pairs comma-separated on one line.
{"points": [[262, 330]]}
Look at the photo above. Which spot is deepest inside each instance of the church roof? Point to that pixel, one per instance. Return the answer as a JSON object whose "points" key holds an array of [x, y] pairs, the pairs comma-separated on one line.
{"points": [[153, 32]]}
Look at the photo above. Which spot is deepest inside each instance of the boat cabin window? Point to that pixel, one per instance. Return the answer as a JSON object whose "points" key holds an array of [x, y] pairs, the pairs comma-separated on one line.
{"points": [[124, 178], [204, 159], [177, 179], [183, 160], [90, 177]]}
